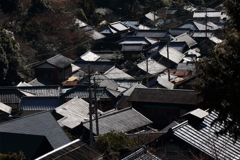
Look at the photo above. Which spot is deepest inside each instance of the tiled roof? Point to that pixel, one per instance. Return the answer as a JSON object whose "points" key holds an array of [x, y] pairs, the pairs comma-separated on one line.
{"points": [[10, 95], [153, 66], [104, 81], [100, 66], [123, 120], [167, 96], [117, 74], [72, 151], [132, 47], [185, 38], [127, 83], [137, 40], [89, 56], [5, 108], [202, 136], [41, 90], [74, 112], [82, 92], [59, 61], [108, 55], [151, 33], [39, 81], [42, 124], [174, 55], [39, 103], [131, 89], [141, 154]]}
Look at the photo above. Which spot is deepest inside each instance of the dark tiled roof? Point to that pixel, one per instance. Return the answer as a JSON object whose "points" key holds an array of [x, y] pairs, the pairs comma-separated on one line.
{"points": [[132, 47], [123, 103], [60, 61], [166, 96], [202, 136], [178, 31], [83, 92], [42, 124], [123, 120], [41, 90], [72, 151], [152, 33], [10, 95], [31, 145], [40, 103], [94, 66]]}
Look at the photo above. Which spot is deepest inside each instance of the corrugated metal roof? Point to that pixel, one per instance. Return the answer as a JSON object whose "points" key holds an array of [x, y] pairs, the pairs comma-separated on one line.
{"points": [[39, 103], [210, 14], [152, 33], [123, 120], [167, 96], [89, 56], [132, 47], [43, 124], [142, 27], [95, 35], [202, 136], [5, 108], [185, 38], [153, 66], [72, 151], [165, 83], [117, 74], [41, 90], [118, 26], [174, 55], [74, 112]]}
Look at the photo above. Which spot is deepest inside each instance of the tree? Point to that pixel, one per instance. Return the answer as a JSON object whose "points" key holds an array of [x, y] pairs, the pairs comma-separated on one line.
{"points": [[10, 65], [220, 83], [114, 144], [12, 156]]}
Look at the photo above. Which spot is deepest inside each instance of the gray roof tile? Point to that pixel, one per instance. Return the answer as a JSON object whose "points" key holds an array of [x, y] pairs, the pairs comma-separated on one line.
{"points": [[42, 124], [41, 90], [59, 61]]}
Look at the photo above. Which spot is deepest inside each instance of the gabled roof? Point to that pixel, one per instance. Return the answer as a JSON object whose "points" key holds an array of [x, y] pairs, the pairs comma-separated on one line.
{"points": [[31, 145], [151, 16], [59, 61], [118, 26], [10, 95], [107, 30], [133, 21], [131, 89], [178, 31], [132, 47], [174, 55], [151, 66], [42, 124], [5, 108], [210, 14], [202, 136], [39, 81], [82, 92], [89, 56], [107, 55], [151, 33], [198, 34], [123, 120], [117, 74], [74, 112], [72, 151], [41, 90], [193, 25], [127, 83], [137, 40], [103, 81], [185, 38], [166, 96], [39, 103], [100, 66], [95, 35], [165, 83], [129, 24], [141, 154]]}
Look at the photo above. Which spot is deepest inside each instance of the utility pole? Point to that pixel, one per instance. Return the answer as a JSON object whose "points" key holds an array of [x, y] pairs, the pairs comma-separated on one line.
{"points": [[168, 40], [147, 70], [95, 104], [90, 107]]}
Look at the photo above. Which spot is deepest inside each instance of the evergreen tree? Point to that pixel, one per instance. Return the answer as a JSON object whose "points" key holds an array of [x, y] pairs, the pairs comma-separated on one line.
{"points": [[220, 84], [10, 65]]}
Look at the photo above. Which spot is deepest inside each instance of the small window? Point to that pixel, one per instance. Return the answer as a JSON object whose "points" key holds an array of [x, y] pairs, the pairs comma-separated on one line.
{"points": [[48, 75]]}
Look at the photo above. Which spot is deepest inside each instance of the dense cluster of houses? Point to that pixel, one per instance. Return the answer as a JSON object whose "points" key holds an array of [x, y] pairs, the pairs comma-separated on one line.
{"points": [[143, 86]]}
